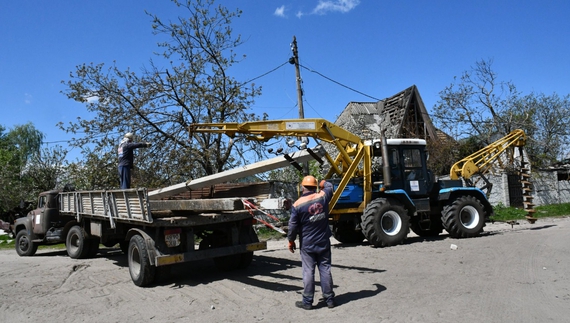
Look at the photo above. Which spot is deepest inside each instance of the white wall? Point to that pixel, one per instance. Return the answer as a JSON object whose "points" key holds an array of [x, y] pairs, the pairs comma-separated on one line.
{"points": [[547, 189]]}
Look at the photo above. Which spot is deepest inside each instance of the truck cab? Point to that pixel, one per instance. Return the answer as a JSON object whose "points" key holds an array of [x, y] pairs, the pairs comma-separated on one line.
{"points": [[42, 225]]}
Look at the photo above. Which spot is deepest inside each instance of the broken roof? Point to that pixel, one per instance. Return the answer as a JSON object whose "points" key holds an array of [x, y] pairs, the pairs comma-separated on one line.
{"points": [[402, 115]]}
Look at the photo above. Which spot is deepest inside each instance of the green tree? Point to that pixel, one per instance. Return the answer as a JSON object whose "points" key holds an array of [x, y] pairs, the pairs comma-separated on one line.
{"points": [[46, 169], [94, 172], [479, 109], [548, 130], [17, 147], [158, 103], [478, 105]]}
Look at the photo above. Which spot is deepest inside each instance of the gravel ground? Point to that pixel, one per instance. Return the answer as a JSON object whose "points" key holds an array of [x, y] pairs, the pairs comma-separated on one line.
{"points": [[510, 274]]}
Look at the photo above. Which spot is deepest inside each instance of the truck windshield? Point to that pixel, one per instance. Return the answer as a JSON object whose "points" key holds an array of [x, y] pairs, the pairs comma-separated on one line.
{"points": [[412, 158]]}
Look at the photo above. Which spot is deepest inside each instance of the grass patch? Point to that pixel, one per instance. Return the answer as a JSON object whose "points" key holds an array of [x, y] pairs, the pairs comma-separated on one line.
{"points": [[6, 242], [553, 210], [504, 213]]}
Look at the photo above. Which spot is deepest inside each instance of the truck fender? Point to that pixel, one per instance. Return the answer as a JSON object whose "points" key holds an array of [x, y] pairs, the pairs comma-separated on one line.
{"points": [[24, 224], [148, 240], [404, 198], [68, 226], [452, 193]]}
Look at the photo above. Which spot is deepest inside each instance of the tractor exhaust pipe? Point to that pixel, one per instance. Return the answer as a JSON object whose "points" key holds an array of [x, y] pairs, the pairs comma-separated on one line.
{"points": [[385, 162]]}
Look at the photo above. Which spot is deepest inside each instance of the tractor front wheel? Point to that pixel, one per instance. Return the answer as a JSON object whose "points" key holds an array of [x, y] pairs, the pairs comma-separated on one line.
{"points": [[385, 222]]}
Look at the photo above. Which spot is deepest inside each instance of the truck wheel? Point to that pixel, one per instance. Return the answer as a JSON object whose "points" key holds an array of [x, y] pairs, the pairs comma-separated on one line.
{"points": [[76, 244], [464, 218], [385, 222], [142, 272], [344, 232], [247, 235], [25, 247]]}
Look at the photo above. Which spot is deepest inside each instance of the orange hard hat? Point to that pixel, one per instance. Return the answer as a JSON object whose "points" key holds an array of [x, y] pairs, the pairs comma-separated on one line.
{"points": [[309, 181]]}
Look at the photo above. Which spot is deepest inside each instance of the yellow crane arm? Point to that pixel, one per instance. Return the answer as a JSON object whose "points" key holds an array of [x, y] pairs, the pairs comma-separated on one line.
{"points": [[265, 130], [345, 141], [482, 160]]}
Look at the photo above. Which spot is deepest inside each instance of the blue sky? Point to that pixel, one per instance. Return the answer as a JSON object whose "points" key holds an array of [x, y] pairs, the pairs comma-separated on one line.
{"points": [[375, 47]]}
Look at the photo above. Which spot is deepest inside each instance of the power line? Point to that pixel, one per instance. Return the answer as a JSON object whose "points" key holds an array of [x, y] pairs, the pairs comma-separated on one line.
{"points": [[70, 140], [264, 74], [345, 86]]}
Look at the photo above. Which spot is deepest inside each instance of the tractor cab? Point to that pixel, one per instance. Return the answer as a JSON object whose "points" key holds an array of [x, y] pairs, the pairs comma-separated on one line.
{"points": [[407, 161]]}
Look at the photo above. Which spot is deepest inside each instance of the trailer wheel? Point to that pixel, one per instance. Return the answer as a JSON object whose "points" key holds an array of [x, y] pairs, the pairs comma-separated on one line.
{"points": [[464, 217], [345, 232], [76, 244], [25, 247], [385, 222], [142, 272]]}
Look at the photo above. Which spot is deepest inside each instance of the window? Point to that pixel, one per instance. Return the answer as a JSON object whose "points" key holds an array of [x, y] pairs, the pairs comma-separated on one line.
{"points": [[412, 158], [42, 202]]}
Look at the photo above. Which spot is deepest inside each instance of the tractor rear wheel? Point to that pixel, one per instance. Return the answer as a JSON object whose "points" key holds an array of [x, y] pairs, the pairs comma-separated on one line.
{"points": [[385, 222], [345, 232]]}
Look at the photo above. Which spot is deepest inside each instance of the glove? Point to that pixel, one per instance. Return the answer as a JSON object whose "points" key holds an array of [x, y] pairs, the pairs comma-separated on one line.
{"points": [[322, 184], [292, 246]]}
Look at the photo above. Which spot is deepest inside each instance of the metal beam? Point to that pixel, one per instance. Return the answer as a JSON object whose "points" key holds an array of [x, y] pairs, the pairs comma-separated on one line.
{"points": [[205, 205], [229, 175]]}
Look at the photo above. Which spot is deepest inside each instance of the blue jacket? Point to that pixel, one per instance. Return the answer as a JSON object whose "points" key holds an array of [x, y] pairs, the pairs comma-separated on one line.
{"points": [[125, 152], [310, 220]]}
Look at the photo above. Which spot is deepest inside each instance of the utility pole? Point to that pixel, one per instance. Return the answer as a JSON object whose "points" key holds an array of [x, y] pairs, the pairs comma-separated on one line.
{"points": [[295, 60]]}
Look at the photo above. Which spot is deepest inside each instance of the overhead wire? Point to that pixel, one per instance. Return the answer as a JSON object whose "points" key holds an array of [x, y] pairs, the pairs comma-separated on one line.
{"points": [[266, 73], [338, 83]]}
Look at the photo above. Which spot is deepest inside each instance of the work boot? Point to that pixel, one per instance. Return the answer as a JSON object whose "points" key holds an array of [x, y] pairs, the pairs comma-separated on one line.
{"points": [[302, 305]]}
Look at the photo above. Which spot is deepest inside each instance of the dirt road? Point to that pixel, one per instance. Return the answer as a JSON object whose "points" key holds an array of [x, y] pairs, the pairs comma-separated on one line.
{"points": [[518, 274]]}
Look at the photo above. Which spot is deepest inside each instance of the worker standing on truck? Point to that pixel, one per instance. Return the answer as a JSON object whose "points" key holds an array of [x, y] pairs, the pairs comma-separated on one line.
{"points": [[310, 221], [126, 158]]}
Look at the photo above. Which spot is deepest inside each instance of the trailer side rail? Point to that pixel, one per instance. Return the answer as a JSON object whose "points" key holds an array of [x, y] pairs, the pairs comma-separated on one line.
{"points": [[129, 205]]}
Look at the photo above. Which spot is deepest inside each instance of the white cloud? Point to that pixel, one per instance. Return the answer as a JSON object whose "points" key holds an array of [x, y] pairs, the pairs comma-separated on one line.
{"points": [[299, 14], [92, 99], [27, 98], [342, 6], [280, 12]]}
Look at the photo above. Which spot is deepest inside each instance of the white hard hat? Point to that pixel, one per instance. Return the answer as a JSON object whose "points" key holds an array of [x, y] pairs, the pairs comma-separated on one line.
{"points": [[129, 135]]}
